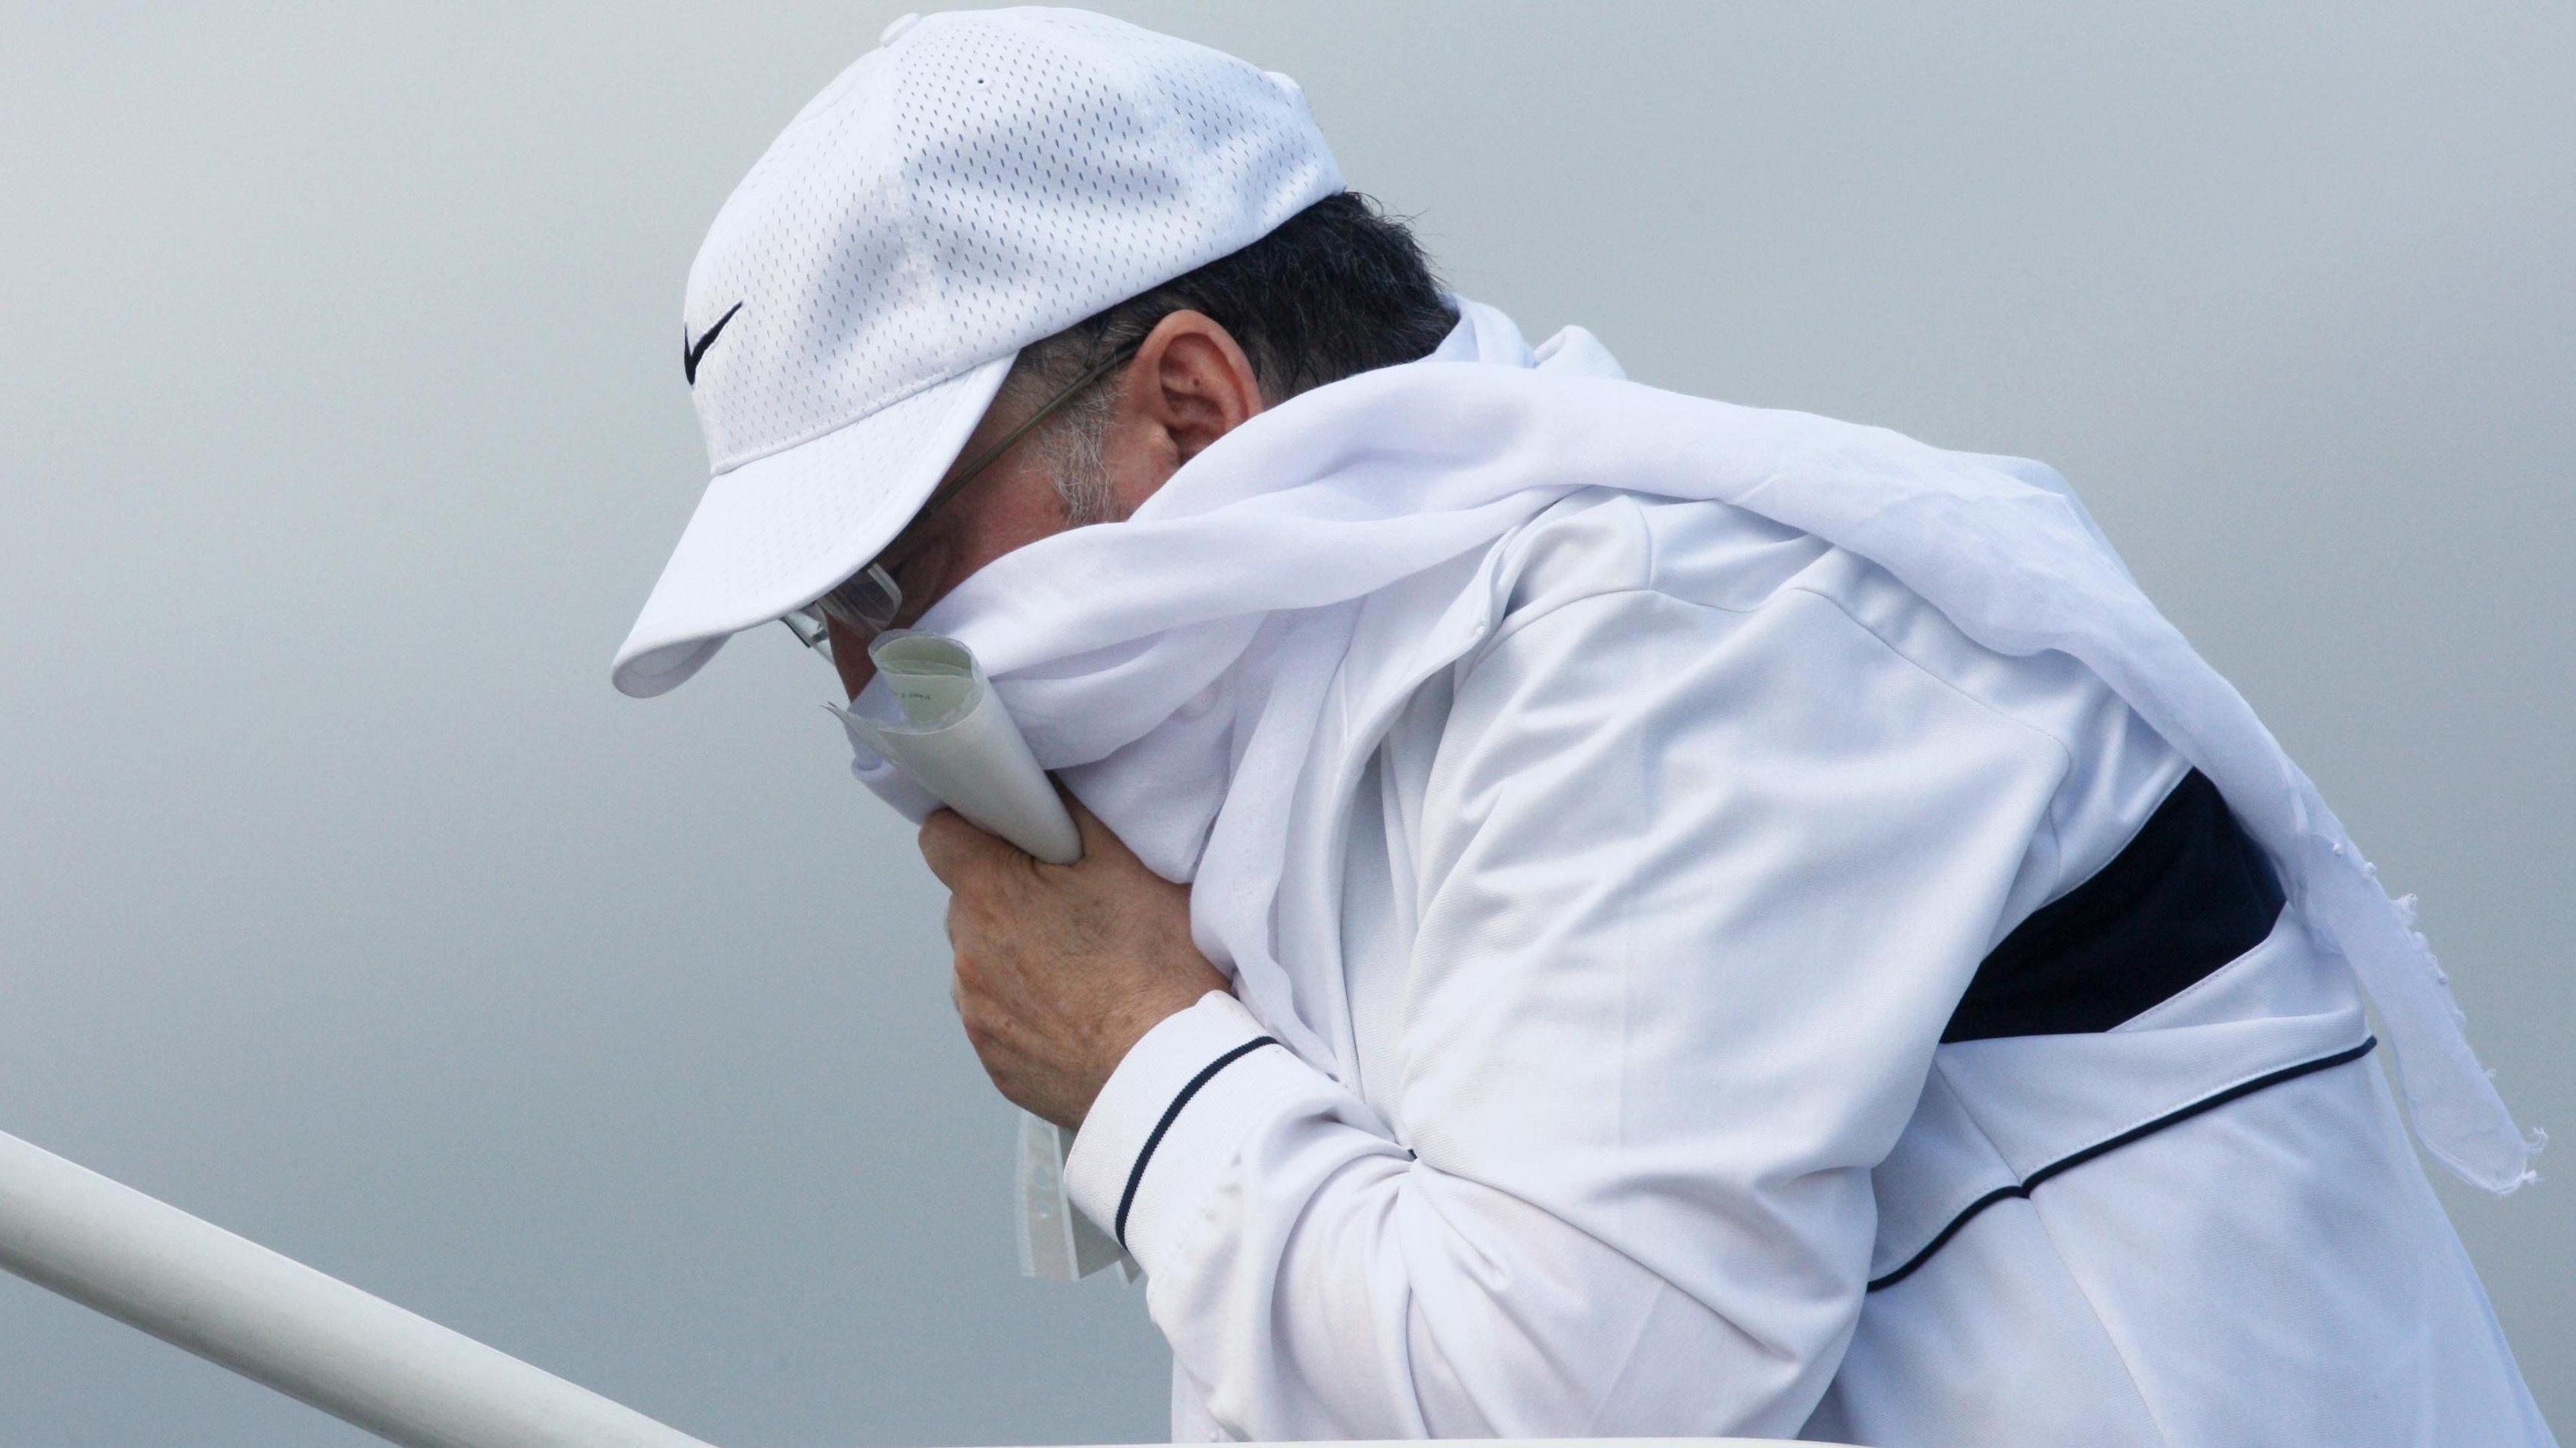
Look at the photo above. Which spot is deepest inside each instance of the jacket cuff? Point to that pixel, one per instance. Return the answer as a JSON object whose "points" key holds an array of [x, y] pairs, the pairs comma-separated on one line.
{"points": [[1171, 1116]]}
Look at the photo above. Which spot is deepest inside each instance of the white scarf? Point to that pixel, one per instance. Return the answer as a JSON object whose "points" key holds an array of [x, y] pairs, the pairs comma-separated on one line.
{"points": [[1172, 668]]}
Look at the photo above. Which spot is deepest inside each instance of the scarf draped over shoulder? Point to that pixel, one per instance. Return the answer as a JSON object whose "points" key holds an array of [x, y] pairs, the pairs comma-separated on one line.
{"points": [[1172, 668]]}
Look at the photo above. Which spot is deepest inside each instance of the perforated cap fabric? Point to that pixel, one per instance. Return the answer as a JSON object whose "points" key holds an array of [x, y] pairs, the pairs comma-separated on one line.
{"points": [[981, 180]]}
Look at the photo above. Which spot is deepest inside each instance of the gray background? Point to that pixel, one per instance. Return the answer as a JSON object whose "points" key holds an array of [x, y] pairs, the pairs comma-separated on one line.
{"points": [[343, 903]]}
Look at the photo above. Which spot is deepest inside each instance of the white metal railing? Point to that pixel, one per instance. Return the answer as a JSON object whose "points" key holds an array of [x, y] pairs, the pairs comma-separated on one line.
{"points": [[310, 1335]]}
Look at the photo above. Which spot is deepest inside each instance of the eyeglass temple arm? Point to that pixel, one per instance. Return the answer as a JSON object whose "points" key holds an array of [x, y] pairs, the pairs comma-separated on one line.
{"points": [[820, 638], [1001, 445]]}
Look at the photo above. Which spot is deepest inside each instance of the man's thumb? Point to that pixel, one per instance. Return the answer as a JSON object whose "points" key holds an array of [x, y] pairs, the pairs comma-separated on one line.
{"points": [[952, 846]]}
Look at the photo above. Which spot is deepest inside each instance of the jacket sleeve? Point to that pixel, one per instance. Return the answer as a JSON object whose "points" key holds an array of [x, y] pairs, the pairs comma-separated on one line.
{"points": [[1697, 890]]}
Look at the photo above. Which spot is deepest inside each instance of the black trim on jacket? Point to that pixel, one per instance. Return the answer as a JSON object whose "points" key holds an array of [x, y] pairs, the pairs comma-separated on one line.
{"points": [[2064, 1164]]}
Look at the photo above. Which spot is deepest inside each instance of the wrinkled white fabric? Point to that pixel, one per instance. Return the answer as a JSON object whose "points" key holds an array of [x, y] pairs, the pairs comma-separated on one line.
{"points": [[1170, 668], [1654, 902]]}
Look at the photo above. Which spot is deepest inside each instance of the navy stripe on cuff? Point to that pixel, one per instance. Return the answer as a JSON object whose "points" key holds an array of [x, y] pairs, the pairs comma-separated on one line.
{"points": [[1171, 1113]]}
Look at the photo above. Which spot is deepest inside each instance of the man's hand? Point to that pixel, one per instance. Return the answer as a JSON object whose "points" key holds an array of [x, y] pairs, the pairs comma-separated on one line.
{"points": [[1060, 968]]}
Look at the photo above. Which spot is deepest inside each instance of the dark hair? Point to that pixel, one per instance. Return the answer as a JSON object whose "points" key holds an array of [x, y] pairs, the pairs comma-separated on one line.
{"points": [[1337, 289]]}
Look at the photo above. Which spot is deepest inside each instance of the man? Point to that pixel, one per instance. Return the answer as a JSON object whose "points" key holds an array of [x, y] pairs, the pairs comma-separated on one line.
{"points": [[1603, 913]]}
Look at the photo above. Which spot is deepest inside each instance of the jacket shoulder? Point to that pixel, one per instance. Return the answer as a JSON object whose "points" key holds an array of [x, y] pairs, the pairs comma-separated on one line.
{"points": [[1602, 540]]}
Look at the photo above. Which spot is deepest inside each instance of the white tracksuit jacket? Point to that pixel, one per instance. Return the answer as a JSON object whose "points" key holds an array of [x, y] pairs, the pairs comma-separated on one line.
{"points": [[1651, 901]]}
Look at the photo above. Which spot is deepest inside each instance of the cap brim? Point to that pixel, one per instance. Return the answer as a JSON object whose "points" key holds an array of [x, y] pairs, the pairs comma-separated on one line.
{"points": [[777, 532]]}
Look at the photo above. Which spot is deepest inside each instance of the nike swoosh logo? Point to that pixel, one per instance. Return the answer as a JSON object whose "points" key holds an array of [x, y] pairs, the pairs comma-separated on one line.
{"points": [[691, 352]]}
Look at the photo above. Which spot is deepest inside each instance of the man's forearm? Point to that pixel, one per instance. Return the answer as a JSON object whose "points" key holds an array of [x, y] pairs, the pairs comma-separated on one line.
{"points": [[1316, 1281]]}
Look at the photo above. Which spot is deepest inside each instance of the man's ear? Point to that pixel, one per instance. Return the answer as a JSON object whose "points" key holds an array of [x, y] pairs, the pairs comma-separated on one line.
{"points": [[1188, 385]]}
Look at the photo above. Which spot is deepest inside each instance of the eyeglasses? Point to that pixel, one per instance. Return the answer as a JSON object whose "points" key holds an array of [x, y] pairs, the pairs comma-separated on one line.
{"points": [[871, 601]]}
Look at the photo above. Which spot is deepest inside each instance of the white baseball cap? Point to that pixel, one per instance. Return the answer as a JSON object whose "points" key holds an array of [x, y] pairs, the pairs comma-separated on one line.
{"points": [[981, 180]]}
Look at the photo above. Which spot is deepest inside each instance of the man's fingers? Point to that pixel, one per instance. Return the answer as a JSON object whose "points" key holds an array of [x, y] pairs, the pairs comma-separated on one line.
{"points": [[955, 849], [1097, 838]]}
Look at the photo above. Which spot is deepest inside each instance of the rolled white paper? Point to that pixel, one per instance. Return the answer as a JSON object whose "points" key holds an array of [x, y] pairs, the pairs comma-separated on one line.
{"points": [[957, 741], [1057, 1242]]}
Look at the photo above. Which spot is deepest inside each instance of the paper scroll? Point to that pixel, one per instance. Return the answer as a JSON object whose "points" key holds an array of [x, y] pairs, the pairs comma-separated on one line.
{"points": [[955, 739]]}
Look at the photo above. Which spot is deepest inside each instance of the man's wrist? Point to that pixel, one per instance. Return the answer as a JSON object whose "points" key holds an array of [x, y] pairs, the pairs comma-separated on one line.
{"points": [[1184, 1056], [1115, 1038]]}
